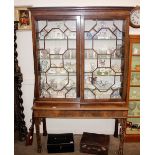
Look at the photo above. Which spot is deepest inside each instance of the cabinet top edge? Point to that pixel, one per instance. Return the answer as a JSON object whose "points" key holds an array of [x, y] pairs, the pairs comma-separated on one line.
{"points": [[134, 36], [105, 8]]}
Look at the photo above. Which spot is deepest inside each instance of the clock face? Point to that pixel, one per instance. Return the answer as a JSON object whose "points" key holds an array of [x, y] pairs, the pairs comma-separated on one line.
{"points": [[135, 18]]}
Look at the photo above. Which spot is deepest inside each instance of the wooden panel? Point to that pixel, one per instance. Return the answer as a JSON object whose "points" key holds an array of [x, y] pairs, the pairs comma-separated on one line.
{"points": [[61, 113], [106, 11]]}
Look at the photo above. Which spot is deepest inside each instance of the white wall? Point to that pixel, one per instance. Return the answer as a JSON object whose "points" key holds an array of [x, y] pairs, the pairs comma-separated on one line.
{"points": [[25, 57], [77, 3]]}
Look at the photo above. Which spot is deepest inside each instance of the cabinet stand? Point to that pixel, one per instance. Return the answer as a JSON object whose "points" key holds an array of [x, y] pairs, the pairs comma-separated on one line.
{"points": [[43, 112]]}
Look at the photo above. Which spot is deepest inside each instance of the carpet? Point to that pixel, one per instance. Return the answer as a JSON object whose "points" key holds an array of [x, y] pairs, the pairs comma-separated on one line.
{"points": [[21, 149]]}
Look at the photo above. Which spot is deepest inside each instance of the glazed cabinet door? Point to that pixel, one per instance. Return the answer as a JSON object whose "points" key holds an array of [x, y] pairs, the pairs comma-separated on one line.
{"points": [[57, 52], [105, 59]]}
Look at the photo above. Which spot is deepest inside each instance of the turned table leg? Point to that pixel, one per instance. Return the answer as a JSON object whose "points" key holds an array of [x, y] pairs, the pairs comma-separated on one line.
{"points": [[116, 128], [38, 136], [122, 134], [44, 127]]}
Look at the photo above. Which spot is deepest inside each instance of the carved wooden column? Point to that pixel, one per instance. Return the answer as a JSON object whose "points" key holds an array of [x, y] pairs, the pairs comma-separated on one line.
{"points": [[18, 102]]}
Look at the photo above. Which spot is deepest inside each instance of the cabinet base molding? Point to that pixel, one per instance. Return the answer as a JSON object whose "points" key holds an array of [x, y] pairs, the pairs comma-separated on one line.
{"points": [[132, 138]]}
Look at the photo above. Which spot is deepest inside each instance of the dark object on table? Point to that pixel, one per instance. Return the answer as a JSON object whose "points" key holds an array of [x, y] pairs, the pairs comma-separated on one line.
{"points": [[94, 143], [58, 143]]}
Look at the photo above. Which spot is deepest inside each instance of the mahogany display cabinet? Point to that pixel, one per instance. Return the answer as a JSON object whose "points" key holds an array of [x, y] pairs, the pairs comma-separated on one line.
{"points": [[133, 121], [81, 63]]}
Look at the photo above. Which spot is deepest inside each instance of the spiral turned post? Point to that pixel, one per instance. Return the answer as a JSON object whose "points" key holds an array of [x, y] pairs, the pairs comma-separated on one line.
{"points": [[18, 103]]}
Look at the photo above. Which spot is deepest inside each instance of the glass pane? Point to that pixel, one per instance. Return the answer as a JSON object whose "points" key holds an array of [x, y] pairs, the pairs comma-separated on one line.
{"points": [[135, 78], [133, 126], [136, 49], [134, 93], [57, 58], [134, 108], [136, 63], [104, 59]]}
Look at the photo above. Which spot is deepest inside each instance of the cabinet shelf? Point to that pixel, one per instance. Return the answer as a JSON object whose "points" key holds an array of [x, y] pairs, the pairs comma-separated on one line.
{"points": [[129, 116], [134, 99], [104, 39], [135, 70], [59, 75], [52, 74], [134, 85], [75, 58], [54, 39], [106, 75], [57, 59], [138, 55], [104, 58], [75, 39]]}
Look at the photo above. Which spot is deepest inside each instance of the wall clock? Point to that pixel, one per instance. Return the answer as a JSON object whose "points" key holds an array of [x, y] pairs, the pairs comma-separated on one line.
{"points": [[135, 17]]}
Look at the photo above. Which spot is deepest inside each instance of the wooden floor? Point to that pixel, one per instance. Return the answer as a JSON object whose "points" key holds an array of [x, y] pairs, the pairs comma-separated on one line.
{"points": [[21, 149]]}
